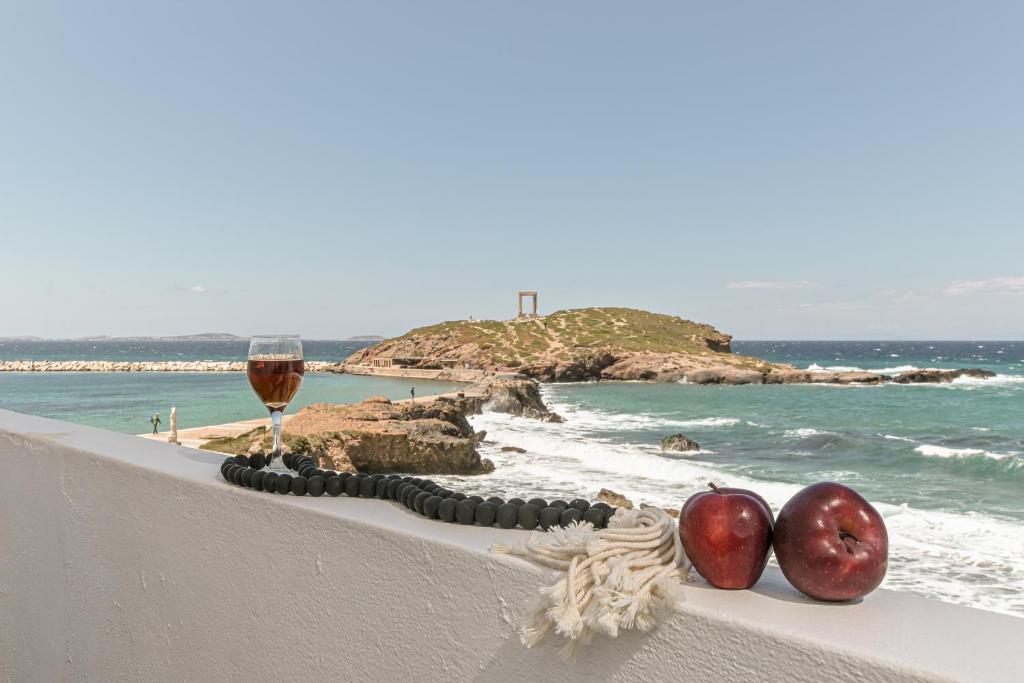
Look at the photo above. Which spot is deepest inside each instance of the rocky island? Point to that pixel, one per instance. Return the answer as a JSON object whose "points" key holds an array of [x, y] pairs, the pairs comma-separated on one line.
{"points": [[607, 344]]}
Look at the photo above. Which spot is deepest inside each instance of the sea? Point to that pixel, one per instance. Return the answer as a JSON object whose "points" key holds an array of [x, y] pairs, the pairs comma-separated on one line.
{"points": [[944, 464]]}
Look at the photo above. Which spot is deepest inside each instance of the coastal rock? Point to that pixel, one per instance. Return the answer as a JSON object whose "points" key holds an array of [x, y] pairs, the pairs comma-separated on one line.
{"points": [[678, 442], [725, 375], [512, 449], [517, 396], [425, 437], [940, 376], [614, 499]]}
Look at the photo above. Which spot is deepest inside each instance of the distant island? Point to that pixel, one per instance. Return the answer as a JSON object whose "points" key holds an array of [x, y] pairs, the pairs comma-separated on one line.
{"points": [[587, 344]]}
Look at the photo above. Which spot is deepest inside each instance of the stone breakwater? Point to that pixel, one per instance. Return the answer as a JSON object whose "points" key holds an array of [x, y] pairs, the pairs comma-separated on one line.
{"points": [[146, 366]]}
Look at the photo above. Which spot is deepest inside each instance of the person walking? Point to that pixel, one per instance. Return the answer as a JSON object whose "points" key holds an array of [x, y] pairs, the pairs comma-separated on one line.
{"points": [[412, 393], [155, 420]]}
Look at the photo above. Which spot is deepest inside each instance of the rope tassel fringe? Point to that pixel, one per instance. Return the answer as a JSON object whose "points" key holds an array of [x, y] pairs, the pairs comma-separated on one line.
{"points": [[621, 577]]}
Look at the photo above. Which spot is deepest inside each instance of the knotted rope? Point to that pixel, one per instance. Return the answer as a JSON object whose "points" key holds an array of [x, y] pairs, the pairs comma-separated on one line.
{"points": [[621, 577]]}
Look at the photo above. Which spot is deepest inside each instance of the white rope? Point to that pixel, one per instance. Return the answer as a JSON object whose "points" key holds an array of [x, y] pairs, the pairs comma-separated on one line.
{"points": [[621, 577]]}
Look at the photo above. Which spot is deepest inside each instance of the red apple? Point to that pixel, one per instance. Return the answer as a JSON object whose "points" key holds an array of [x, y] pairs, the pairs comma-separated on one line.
{"points": [[831, 544], [727, 534]]}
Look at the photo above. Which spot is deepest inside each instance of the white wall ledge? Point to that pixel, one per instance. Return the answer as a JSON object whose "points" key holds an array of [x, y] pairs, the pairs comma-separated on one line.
{"points": [[126, 559]]}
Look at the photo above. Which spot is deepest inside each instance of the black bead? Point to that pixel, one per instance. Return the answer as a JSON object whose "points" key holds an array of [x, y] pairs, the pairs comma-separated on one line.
{"points": [[317, 472], [258, 461], [417, 481], [560, 504], [549, 517], [495, 500], [307, 470], [257, 479], [570, 515], [247, 476], [427, 483], [608, 515], [298, 486], [288, 459], [224, 467], [465, 511], [366, 487], [419, 500], [316, 486], [270, 482], [595, 516], [446, 510], [243, 460], [579, 504], [445, 493], [381, 489], [506, 515], [538, 503], [345, 475], [476, 499], [528, 515], [457, 496], [486, 513], [228, 472], [361, 475], [392, 490], [602, 506], [410, 496], [283, 484], [518, 502], [406, 479], [236, 474], [404, 489], [351, 487], [332, 485], [431, 506]]}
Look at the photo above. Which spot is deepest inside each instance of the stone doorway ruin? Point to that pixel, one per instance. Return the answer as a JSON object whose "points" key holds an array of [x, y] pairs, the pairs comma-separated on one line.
{"points": [[533, 296]]}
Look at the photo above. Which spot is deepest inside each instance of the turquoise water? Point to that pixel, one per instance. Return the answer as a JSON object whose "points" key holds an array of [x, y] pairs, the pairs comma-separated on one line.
{"points": [[124, 401], [943, 463]]}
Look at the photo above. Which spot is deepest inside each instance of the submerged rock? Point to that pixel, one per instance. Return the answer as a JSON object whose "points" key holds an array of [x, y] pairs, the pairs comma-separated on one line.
{"points": [[512, 449], [614, 499], [940, 376], [679, 442]]}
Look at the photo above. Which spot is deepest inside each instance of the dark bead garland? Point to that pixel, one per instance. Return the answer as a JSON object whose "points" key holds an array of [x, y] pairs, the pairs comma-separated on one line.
{"points": [[423, 496]]}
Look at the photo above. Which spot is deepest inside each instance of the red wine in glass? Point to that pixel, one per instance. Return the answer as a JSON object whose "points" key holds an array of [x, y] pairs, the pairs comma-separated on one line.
{"points": [[275, 371]]}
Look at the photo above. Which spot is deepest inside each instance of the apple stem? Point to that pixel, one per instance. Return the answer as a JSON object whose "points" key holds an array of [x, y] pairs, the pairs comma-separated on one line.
{"points": [[713, 487]]}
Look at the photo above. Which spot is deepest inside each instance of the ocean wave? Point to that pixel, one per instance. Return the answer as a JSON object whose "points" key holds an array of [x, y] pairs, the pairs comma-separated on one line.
{"points": [[963, 557], [998, 380], [933, 451], [805, 432], [892, 437], [609, 421]]}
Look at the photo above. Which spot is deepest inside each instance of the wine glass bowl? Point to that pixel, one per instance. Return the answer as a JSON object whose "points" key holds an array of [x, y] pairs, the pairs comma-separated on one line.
{"points": [[275, 370]]}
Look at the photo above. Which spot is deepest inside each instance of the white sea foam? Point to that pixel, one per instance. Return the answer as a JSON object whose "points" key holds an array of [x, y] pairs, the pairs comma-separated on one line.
{"points": [[806, 432], [933, 451], [998, 380], [892, 437]]}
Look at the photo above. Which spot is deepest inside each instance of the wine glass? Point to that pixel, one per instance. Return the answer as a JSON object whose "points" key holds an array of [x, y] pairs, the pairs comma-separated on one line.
{"points": [[275, 372]]}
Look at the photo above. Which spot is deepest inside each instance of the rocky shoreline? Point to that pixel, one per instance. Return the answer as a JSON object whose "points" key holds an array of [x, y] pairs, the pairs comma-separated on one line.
{"points": [[146, 366]]}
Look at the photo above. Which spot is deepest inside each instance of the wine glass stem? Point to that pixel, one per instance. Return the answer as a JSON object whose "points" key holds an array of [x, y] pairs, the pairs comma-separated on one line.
{"points": [[275, 453]]}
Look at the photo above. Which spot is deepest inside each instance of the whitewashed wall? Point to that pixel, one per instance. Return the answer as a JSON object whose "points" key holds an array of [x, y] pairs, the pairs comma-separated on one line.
{"points": [[125, 559]]}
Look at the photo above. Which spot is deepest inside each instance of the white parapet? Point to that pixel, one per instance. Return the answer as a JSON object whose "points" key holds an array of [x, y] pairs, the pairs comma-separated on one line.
{"points": [[127, 559]]}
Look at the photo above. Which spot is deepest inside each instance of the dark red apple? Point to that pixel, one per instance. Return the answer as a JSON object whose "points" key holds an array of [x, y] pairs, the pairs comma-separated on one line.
{"points": [[727, 534], [831, 543]]}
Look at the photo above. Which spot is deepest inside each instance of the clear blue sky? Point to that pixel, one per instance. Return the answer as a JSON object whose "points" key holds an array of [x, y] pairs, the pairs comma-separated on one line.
{"points": [[780, 170]]}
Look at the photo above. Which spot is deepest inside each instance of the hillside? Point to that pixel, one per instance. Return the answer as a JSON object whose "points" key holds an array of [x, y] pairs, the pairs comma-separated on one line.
{"points": [[574, 345]]}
